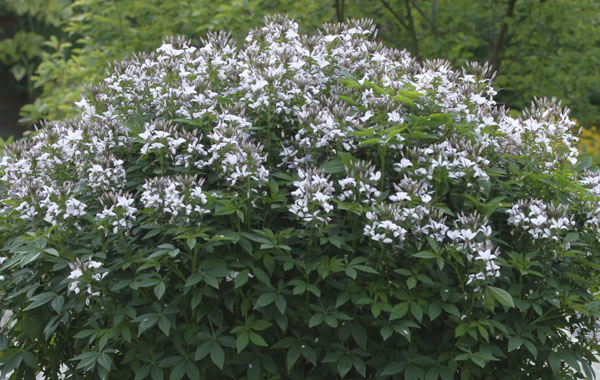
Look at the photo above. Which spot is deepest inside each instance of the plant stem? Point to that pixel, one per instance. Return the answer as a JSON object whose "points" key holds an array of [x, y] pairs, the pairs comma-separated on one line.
{"points": [[382, 153]]}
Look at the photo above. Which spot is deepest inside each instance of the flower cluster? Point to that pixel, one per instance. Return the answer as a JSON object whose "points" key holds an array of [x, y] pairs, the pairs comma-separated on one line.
{"points": [[181, 194], [118, 212], [312, 196], [472, 234], [88, 269], [218, 115], [541, 220]]}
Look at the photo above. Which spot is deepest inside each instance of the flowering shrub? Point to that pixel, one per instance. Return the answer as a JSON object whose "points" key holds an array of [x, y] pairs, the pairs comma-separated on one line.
{"points": [[301, 207]]}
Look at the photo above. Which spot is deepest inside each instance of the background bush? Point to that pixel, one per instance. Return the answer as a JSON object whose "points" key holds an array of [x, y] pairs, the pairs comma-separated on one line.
{"points": [[304, 206]]}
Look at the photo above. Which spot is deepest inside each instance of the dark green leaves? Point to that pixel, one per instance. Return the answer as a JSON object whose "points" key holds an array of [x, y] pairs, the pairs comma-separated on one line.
{"points": [[214, 350], [501, 295], [41, 299]]}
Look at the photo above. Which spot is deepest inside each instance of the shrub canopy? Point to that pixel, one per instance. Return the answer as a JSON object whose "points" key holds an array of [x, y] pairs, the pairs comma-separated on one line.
{"points": [[303, 207]]}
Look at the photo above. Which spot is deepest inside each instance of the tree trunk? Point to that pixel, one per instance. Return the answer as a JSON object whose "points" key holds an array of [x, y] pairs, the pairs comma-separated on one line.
{"points": [[339, 10], [495, 57], [411, 30]]}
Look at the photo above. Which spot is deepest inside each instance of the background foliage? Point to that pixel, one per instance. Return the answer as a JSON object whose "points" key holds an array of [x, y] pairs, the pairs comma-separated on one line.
{"points": [[539, 47]]}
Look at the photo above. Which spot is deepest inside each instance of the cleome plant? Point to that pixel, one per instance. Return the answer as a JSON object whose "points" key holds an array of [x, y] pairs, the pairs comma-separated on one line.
{"points": [[299, 207]]}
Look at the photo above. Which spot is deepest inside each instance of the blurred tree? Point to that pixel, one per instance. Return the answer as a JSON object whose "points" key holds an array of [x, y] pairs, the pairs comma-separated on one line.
{"points": [[539, 47], [22, 43], [101, 31]]}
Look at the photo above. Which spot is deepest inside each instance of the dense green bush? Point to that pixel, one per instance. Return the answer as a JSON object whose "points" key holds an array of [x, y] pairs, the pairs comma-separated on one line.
{"points": [[300, 207]]}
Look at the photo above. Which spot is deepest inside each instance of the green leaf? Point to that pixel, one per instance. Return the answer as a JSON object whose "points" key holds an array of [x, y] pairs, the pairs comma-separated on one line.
{"points": [[342, 299], [386, 332], [246, 245], [350, 83], [178, 371], [399, 310], [30, 360], [514, 342], [265, 300], [435, 309], [242, 278], [359, 366], [164, 324], [432, 373], [502, 296], [242, 341], [417, 311], [348, 100], [316, 320], [203, 350], [260, 325], [489, 300], [87, 359], [159, 289], [554, 361], [372, 141], [142, 372], [451, 309], [365, 268], [126, 333], [571, 237], [191, 369], [460, 330], [105, 361], [261, 276], [281, 303], [40, 299], [531, 347], [404, 100], [344, 365], [292, 356], [84, 333], [58, 303], [147, 321], [426, 255], [393, 368], [585, 162], [157, 373], [411, 282], [217, 355], [194, 278], [191, 242], [52, 252], [257, 339], [334, 167], [359, 333], [211, 281]]}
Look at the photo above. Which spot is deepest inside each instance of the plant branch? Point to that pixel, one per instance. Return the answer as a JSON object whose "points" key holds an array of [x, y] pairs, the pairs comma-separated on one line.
{"points": [[339, 10], [413, 34], [434, 19], [503, 38], [395, 14], [418, 8]]}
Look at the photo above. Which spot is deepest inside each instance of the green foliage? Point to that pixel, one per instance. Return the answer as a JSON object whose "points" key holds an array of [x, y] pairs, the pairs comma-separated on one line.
{"points": [[98, 32], [36, 21], [547, 47], [104, 281], [537, 47]]}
